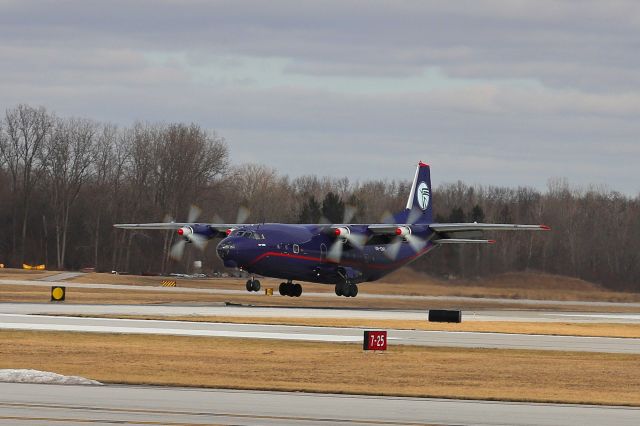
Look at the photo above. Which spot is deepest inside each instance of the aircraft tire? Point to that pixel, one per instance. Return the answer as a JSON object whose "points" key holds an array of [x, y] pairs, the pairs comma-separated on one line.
{"points": [[339, 289], [256, 285], [249, 285], [354, 291], [283, 289], [297, 290]]}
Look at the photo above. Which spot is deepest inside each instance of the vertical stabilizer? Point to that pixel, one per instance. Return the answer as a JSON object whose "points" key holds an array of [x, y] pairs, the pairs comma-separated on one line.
{"points": [[419, 205]]}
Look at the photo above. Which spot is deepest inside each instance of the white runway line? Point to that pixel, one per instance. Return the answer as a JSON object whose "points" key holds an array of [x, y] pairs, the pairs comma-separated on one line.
{"points": [[628, 317], [322, 334], [178, 332]]}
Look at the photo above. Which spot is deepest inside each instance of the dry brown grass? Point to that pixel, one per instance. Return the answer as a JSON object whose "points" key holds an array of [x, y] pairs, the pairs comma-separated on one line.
{"points": [[408, 282], [511, 327], [323, 367], [520, 285], [41, 294]]}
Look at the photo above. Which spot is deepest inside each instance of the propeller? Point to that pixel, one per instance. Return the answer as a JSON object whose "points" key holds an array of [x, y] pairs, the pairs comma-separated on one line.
{"points": [[241, 217], [404, 233], [344, 235], [186, 235]]}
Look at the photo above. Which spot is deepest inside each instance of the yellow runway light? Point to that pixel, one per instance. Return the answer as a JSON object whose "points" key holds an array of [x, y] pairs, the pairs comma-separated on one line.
{"points": [[58, 294]]}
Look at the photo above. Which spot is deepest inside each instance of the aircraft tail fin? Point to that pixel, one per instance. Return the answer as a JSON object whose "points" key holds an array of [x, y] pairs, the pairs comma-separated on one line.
{"points": [[419, 205]]}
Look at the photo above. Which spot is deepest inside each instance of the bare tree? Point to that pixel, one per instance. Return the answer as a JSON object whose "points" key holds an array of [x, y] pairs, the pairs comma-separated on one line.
{"points": [[71, 155], [24, 149]]}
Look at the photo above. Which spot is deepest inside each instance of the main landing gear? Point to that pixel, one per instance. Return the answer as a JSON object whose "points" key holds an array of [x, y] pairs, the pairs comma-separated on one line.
{"points": [[290, 289], [253, 285], [346, 289]]}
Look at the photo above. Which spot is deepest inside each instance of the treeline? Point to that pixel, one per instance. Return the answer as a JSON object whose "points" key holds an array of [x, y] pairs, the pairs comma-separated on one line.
{"points": [[65, 181]]}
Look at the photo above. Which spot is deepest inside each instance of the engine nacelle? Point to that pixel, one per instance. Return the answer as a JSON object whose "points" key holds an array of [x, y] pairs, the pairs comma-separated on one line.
{"points": [[403, 231], [342, 232], [185, 231]]}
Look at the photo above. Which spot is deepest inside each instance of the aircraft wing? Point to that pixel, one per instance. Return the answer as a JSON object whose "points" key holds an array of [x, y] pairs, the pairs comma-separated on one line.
{"points": [[220, 227], [161, 225], [471, 233], [466, 227]]}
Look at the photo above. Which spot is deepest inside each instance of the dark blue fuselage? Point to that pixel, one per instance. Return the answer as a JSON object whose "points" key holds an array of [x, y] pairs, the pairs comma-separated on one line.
{"points": [[300, 252]]}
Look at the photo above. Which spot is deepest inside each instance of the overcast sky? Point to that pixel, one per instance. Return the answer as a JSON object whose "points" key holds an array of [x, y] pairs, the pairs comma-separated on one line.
{"points": [[489, 92]]}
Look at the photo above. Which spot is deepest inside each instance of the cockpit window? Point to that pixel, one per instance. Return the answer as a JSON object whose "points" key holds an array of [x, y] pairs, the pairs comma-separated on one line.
{"points": [[249, 234]]}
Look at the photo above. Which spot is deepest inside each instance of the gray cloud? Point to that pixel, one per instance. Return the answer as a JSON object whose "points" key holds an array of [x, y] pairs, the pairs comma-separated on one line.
{"points": [[523, 90]]}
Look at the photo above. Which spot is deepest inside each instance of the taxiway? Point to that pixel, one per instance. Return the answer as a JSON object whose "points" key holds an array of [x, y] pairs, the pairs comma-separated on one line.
{"points": [[68, 404], [324, 334]]}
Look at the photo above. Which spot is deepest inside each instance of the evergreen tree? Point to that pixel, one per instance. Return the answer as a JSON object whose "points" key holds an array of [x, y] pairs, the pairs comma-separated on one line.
{"points": [[477, 214], [310, 212], [333, 208]]}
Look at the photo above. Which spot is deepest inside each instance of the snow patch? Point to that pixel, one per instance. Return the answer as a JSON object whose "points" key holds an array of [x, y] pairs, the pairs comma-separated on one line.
{"points": [[11, 375]]}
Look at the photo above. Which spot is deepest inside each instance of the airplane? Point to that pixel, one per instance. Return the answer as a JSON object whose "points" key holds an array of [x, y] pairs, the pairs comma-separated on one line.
{"points": [[339, 254]]}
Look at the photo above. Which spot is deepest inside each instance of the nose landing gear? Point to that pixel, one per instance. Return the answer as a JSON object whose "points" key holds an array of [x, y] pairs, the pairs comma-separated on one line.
{"points": [[290, 289], [253, 285], [346, 289]]}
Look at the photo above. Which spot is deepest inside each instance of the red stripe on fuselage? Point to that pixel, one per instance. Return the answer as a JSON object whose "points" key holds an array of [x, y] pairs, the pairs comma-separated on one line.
{"points": [[320, 260]]}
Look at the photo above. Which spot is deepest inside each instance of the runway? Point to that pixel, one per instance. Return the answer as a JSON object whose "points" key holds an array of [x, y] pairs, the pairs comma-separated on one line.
{"points": [[322, 334], [222, 309], [73, 405], [362, 295]]}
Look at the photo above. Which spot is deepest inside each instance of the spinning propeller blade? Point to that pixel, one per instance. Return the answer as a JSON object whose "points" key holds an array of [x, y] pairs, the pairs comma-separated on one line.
{"points": [[177, 250], [194, 213], [349, 213], [243, 214]]}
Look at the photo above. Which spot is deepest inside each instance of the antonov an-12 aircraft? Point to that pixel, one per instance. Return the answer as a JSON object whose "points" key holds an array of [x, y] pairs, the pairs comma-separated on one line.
{"points": [[339, 254]]}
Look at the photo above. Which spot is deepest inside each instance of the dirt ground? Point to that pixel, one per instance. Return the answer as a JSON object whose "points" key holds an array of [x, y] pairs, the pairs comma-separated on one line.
{"points": [[516, 375]]}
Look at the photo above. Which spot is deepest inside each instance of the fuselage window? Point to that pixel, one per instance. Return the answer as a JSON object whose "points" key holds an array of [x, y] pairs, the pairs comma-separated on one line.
{"points": [[296, 248]]}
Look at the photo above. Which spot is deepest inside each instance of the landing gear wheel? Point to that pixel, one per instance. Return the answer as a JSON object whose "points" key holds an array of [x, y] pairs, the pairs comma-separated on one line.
{"points": [[283, 289], [354, 291], [297, 290], [346, 290], [253, 285]]}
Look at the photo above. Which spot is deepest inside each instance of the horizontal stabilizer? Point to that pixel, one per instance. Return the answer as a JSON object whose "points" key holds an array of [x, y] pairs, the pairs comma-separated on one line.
{"points": [[462, 241]]}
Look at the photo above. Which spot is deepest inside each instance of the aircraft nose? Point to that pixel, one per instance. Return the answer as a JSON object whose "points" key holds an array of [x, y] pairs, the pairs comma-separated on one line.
{"points": [[227, 252]]}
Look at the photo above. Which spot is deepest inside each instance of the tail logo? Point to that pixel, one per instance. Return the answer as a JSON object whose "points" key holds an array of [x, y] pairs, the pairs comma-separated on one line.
{"points": [[423, 195]]}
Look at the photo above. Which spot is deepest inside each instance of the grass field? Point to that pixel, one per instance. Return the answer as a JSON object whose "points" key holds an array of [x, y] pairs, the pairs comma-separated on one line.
{"points": [[322, 367], [41, 294], [408, 282], [405, 282]]}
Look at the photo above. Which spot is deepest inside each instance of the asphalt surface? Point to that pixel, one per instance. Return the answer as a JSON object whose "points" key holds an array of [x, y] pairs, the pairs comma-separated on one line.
{"points": [[29, 404], [221, 309], [361, 295], [322, 334]]}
